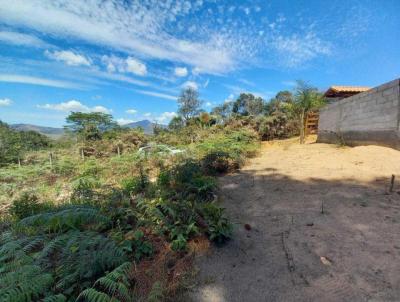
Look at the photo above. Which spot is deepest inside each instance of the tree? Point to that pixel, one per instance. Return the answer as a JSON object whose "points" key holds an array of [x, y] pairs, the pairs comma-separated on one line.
{"points": [[176, 123], [189, 103], [205, 119], [223, 111], [279, 103], [306, 99], [13, 143], [248, 104], [90, 126]]}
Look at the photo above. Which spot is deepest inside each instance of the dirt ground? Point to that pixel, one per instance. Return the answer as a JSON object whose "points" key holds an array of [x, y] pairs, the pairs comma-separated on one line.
{"points": [[297, 251]]}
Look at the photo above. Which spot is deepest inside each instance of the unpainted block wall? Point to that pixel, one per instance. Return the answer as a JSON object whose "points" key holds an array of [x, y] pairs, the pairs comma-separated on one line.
{"points": [[371, 117]]}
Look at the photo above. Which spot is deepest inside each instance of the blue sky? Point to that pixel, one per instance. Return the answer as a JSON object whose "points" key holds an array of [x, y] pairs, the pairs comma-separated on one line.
{"points": [[132, 58]]}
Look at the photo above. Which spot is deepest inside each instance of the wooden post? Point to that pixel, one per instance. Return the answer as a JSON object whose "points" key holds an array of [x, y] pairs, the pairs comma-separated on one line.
{"points": [[51, 159], [82, 154], [118, 151], [19, 162], [391, 184]]}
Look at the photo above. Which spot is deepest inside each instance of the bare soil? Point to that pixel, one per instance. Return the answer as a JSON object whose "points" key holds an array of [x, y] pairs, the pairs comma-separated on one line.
{"points": [[323, 227]]}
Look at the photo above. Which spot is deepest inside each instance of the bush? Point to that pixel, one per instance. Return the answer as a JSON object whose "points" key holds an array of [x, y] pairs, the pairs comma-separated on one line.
{"points": [[65, 167], [275, 127], [219, 162], [219, 228], [135, 185], [83, 189], [27, 204]]}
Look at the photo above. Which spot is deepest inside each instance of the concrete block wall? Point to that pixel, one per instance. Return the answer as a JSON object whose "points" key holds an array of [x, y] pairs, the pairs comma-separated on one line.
{"points": [[371, 117]]}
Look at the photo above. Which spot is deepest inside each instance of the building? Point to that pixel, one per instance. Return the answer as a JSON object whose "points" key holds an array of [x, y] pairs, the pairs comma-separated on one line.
{"points": [[336, 93], [333, 94], [368, 117]]}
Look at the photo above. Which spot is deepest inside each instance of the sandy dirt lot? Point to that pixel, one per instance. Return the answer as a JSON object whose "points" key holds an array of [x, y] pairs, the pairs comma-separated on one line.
{"points": [[294, 252]]}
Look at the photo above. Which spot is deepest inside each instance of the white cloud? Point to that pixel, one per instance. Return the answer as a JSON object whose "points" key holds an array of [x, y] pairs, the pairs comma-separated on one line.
{"points": [[190, 84], [101, 109], [68, 57], [5, 102], [289, 83], [157, 94], [165, 117], [20, 39], [74, 105], [246, 82], [181, 71], [128, 65], [229, 98], [295, 50], [122, 121], [208, 104], [137, 27], [131, 111], [177, 31], [15, 78], [147, 114], [135, 66]]}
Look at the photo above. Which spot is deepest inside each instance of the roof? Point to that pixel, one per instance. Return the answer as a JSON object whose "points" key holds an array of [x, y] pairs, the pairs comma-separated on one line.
{"points": [[345, 90]]}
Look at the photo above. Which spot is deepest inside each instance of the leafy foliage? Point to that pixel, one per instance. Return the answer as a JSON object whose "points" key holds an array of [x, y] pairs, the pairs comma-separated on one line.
{"points": [[113, 208], [14, 144], [90, 126]]}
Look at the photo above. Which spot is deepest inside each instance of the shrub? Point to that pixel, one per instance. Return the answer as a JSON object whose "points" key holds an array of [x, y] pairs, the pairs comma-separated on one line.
{"points": [[83, 189], [219, 228], [27, 204], [65, 167], [219, 162], [135, 185]]}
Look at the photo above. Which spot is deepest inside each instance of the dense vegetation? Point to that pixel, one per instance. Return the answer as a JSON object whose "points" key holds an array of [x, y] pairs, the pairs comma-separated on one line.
{"points": [[116, 215], [14, 144]]}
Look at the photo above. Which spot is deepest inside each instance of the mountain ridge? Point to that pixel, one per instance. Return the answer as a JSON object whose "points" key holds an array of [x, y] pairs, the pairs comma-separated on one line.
{"points": [[55, 132]]}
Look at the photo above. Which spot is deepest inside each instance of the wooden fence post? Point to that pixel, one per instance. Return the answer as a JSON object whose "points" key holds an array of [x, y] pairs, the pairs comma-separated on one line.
{"points": [[51, 159]]}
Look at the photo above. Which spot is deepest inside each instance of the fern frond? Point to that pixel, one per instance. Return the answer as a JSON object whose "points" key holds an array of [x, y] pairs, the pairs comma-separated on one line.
{"points": [[55, 298], [156, 293], [115, 283], [92, 295], [72, 218], [28, 283]]}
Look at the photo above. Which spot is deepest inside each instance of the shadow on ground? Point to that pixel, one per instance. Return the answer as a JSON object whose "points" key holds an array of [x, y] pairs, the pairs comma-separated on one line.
{"points": [[310, 240]]}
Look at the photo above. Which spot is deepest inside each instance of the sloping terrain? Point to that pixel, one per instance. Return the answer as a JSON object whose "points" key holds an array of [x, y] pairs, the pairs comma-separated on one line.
{"points": [[322, 226], [49, 131]]}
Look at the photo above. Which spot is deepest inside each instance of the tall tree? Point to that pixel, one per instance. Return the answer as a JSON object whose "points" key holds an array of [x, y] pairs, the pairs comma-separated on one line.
{"points": [[90, 126], [279, 103], [189, 103], [306, 100], [248, 104], [224, 110], [176, 123]]}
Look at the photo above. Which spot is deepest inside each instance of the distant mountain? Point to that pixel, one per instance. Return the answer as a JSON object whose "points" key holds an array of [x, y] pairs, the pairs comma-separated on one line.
{"points": [[145, 124], [49, 131]]}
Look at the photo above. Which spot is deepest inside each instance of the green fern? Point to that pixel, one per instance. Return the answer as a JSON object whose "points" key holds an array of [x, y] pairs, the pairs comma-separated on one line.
{"points": [[72, 218], [27, 283], [156, 293], [55, 298], [112, 287], [92, 295]]}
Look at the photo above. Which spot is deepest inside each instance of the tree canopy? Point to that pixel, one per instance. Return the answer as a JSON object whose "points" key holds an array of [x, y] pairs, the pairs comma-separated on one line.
{"points": [[90, 126], [13, 143], [248, 104], [189, 103]]}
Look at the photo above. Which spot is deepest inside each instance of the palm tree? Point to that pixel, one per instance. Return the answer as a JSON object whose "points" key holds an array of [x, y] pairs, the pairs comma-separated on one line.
{"points": [[306, 100]]}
